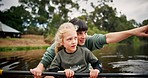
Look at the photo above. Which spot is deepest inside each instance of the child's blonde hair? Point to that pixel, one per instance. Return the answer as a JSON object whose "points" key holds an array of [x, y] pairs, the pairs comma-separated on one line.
{"points": [[64, 28]]}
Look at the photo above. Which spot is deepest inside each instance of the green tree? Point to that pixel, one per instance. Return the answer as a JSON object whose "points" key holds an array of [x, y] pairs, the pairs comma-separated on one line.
{"points": [[145, 22], [48, 13], [45, 10], [14, 17], [34, 30], [105, 18]]}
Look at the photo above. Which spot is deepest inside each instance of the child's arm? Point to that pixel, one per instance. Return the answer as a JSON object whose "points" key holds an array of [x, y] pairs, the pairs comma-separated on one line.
{"points": [[97, 65], [94, 73]]}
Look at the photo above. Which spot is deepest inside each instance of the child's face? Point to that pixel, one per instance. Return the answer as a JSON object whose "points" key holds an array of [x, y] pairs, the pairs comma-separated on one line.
{"points": [[70, 41]]}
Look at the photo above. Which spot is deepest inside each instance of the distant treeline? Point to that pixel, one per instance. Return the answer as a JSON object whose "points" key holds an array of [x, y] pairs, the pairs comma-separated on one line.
{"points": [[43, 17]]}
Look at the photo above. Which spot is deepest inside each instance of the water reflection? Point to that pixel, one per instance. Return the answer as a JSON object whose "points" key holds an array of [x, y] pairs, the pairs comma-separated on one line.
{"points": [[130, 66], [123, 58], [21, 60]]}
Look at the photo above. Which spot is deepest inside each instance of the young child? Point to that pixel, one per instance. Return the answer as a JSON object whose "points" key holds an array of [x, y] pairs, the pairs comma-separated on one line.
{"points": [[71, 58]]}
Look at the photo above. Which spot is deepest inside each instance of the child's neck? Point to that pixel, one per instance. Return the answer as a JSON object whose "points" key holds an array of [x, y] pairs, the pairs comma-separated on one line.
{"points": [[70, 51]]}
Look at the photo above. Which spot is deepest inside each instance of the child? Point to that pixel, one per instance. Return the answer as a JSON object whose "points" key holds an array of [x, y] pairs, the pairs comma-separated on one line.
{"points": [[72, 58]]}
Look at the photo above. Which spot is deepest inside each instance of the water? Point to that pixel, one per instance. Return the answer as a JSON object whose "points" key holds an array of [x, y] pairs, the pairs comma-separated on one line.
{"points": [[125, 59], [21, 60], [122, 59]]}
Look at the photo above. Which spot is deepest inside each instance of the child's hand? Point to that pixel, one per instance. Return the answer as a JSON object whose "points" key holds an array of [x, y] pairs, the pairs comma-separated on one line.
{"points": [[94, 73], [69, 73]]}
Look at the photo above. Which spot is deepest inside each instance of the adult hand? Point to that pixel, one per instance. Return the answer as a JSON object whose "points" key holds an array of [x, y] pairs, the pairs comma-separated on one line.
{"points": [[37, 72], [94, 73], [141, 31], [69, 73], [115, 37]]}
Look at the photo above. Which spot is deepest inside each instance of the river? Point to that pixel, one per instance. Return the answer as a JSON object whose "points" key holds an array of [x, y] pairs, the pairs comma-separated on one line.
{"points": [[122, 59]]}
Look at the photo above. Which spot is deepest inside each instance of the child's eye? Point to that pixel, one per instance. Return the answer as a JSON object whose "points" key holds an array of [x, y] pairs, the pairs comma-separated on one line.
{"points": [[75, 38], [69, 39]]}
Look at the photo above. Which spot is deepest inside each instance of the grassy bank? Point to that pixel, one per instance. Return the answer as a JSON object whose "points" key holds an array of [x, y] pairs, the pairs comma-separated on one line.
{"points": [[20, 48], [26, 42]]}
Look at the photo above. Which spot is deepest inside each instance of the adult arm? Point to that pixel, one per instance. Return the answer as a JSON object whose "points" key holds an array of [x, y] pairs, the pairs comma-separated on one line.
{"points": [[37, 71], [119, 36], [46, 60], [48, 56]]}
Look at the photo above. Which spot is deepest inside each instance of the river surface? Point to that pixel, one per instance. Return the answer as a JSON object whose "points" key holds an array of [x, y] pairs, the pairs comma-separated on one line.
{"points": [[122, 59]]}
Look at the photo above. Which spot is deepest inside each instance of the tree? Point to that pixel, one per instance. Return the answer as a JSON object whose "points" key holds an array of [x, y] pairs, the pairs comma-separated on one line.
{"points": [[14, 17], [145, 22], [105, 18], [45, 10]]}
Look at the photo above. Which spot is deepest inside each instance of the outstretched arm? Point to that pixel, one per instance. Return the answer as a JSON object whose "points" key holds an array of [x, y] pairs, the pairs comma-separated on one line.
{"points": [[119, 36]]}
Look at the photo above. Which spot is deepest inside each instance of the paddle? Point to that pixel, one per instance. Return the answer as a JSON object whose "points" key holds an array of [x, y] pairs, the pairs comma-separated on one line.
{"points": [[13, 72]]}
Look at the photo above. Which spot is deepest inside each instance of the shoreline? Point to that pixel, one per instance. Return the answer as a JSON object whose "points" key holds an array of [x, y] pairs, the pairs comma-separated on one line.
{"points": [[26, 42]]}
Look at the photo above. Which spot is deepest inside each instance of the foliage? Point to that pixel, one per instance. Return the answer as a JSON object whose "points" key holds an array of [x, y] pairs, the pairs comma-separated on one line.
{"points": [[14, 17], [104, 18], [34, 30], [48, 12], [45, 16], [145, 22]]}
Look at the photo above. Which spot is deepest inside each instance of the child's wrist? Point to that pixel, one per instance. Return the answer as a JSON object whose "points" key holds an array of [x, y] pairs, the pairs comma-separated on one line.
{"points": [[97, 70]]}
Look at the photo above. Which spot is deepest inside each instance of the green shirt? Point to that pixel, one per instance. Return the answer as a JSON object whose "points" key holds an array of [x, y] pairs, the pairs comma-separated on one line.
{"points": [[77, 61], [92, 43]]}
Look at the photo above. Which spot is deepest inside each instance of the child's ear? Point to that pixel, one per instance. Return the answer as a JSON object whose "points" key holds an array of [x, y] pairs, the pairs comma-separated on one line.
{"points": [[61, 43]]}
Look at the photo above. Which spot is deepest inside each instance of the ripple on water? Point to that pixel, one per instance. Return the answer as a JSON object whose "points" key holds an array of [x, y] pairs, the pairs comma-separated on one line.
{"points": [[132, 66]]}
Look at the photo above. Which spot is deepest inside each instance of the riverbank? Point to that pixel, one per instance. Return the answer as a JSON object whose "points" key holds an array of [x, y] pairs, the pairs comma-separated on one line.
{"points": [[26, 42]]}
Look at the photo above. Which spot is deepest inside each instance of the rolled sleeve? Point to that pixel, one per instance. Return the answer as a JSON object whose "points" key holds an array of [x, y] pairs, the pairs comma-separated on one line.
{"points": [[48, 56]]}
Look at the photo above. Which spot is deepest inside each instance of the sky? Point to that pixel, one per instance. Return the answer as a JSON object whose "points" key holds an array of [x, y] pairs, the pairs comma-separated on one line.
{"points": [[133, 9]]}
